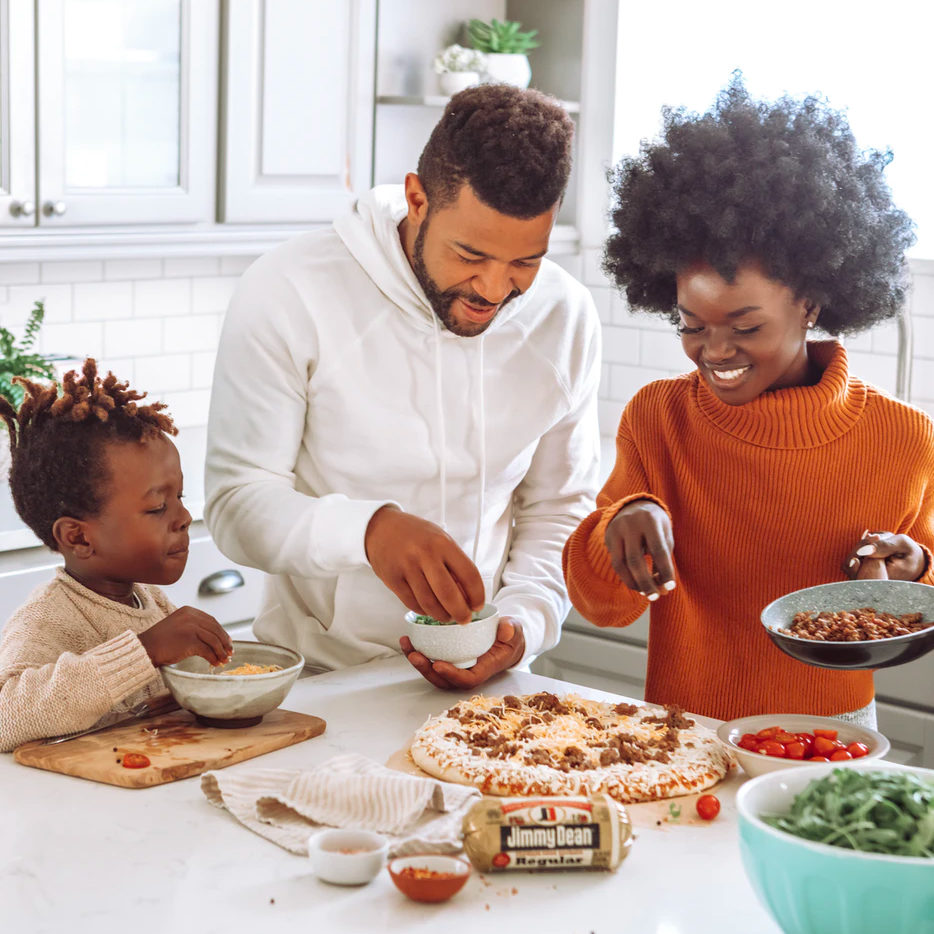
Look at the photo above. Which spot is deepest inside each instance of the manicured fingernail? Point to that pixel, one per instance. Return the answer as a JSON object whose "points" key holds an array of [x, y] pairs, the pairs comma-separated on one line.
{"points": [[866, 550], [653, 596], [669, 585], [854, 562], [865, 533]]}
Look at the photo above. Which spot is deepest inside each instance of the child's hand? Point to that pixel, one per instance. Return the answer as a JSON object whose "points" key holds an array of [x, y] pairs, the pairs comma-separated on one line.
{"points": [[184, 633], [639, 529], [903, 557]]}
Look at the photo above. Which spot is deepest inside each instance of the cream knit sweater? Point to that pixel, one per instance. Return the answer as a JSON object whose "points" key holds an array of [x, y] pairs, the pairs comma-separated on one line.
{"points": [[69, 657]]}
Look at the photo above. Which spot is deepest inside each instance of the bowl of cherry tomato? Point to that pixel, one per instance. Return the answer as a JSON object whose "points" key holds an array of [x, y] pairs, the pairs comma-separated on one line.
{"points": [[769, 742]]}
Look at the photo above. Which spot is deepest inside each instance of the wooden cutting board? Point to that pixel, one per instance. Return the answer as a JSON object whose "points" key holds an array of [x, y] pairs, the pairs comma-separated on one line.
{"points": [[176, 745]]}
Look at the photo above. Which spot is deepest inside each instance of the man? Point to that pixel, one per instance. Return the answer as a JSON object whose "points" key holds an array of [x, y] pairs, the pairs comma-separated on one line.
{"points": [[404, 406]]}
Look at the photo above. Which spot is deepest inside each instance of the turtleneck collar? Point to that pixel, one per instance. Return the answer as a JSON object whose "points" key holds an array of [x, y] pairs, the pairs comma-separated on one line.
{"points": [[796, 417]]}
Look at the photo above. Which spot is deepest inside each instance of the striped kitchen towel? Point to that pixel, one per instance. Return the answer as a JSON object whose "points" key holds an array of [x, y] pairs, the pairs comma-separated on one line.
{"points": [[418, 815]]}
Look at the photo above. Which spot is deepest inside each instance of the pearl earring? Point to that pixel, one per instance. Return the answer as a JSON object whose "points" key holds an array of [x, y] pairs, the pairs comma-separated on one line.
{"points": [[809, 325]]}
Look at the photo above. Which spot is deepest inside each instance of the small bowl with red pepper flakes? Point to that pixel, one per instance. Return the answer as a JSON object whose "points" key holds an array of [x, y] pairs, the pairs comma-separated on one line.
{"points": [[854, 624], [432, 877], [769, 742]]}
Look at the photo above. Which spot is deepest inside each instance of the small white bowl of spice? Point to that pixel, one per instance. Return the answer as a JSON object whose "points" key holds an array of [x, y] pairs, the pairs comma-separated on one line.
{"points": [[347, 857]]}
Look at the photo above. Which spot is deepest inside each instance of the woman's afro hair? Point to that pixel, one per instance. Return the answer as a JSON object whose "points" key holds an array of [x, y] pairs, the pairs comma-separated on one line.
{"points": [[781, 184]]}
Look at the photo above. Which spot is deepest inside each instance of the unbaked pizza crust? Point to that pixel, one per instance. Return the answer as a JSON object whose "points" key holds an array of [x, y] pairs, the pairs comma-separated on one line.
{"points": [[442, 747]]}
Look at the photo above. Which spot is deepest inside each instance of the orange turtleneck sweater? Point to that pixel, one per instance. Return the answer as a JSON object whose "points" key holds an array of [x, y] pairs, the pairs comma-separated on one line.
{"points": [[764, 498]]}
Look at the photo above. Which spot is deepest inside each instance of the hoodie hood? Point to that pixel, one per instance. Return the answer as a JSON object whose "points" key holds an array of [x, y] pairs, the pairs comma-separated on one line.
{"points": [[370, 231]]}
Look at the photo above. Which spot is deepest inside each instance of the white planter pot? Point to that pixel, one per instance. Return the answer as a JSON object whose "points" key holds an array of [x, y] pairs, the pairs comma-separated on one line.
{"points": [[454, 81], [508, 68]]}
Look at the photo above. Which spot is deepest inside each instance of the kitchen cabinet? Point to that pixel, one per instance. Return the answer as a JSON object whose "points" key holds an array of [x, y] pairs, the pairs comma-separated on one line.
{"points": [[615, 660], [297, 108], [107, 112]]}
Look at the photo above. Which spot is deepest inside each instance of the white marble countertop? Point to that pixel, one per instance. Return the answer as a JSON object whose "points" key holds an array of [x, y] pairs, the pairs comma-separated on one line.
{"points": [[88, 858]]}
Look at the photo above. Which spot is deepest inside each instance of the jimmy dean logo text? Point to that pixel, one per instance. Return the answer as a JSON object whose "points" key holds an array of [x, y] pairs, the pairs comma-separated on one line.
{"points": [[555, 837]]}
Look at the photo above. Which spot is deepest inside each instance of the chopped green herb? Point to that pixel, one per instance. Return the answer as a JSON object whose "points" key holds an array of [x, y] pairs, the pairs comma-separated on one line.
{"points": [[431, 621], [875, 812]]}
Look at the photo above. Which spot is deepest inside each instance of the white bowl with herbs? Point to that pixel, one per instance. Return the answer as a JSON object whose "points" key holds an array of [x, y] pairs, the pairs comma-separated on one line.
{"points": [[460, 644]]}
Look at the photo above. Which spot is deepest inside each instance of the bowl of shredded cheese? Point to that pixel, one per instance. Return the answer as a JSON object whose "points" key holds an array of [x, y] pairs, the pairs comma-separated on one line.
{"points": [[253, 682]]}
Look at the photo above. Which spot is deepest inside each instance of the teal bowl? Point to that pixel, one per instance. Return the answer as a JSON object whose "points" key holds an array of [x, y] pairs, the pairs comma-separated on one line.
{"points": [[815, 888]]}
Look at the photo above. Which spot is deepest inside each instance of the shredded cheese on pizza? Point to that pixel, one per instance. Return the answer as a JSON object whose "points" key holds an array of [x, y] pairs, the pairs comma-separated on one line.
{"points": [[545, 744]]}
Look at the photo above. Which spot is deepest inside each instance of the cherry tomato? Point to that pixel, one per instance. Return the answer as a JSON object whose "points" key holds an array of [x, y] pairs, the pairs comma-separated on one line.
{"points": [[818, 759], [772, 747], [826, 734], [824, 746], [135, 760], [785, 737], [840, 755], [749, 741], [858, 750], [768, 733], [708, 807], [795, 750]]}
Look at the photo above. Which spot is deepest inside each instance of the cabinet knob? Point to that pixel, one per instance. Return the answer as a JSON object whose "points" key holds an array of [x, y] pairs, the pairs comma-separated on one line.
{"points": [[220, 582], [22, 208], [53, 208]]}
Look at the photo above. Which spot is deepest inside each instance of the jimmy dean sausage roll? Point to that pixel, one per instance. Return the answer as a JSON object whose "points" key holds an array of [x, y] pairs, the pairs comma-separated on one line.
{"points": [[547, 833]]}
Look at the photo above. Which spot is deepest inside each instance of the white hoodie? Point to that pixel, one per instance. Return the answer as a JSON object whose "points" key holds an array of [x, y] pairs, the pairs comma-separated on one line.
{"points": [[336, 391]]}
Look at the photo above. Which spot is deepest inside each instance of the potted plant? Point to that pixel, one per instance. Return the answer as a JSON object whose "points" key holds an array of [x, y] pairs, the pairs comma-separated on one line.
{"points": [[506, 47], [17, 358], [459, 68]]}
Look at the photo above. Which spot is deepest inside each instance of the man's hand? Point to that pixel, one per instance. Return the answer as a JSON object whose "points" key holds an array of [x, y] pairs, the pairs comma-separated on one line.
{"points": [[184, 633], [422, 565], [505, 652], [903, 557], [638, 530]]}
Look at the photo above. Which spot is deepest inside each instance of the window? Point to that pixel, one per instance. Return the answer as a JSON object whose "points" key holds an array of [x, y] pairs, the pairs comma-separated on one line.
{"points": [[873, 61]]}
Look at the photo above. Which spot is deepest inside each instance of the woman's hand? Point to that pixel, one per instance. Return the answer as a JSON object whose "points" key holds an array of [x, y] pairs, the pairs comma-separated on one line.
{"points": [[640, 529], [903, 557]]}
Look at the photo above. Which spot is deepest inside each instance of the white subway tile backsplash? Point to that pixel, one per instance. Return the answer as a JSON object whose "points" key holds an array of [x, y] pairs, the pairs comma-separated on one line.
{"points": [[135, 337], [202, 369], [132, 268], [103, 301], [188, 266], [164, 372], [212, 294], [922, 383], [234, 265], [162, 298], [608, 413], [16, 273], [196, 332], [662, 349], [78, 340], [621, 345], [603, 300], [57, 300], [79, 271], [592, 266], [188, 409], [922, 333], [874, 368]]}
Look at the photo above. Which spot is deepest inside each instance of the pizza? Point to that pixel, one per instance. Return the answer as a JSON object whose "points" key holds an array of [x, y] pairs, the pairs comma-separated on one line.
{"points": [[542, 744]]}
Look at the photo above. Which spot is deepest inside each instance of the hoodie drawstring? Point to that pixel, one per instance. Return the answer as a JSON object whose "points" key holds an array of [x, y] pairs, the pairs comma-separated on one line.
{"points": [[442, 440], [482, 425], [442, 437]]}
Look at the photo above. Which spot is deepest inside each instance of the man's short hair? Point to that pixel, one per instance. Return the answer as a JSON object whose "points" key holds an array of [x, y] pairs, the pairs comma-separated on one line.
{"points": [[511, 145]]}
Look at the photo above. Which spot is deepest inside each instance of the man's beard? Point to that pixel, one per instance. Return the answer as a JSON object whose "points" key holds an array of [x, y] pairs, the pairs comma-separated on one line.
{"points": [[441, 300]]}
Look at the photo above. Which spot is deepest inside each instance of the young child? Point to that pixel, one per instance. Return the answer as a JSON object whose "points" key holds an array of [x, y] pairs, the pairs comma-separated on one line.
{"points": [[769, 468], [96, 477]]}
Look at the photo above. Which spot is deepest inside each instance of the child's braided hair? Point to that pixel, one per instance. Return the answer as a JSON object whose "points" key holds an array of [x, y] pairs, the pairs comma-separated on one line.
{"points": [[57, 443]]}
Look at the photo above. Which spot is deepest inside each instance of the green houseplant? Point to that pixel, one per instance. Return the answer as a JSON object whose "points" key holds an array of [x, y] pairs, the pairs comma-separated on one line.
{"points": [[506, 46], [19, 358]]}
